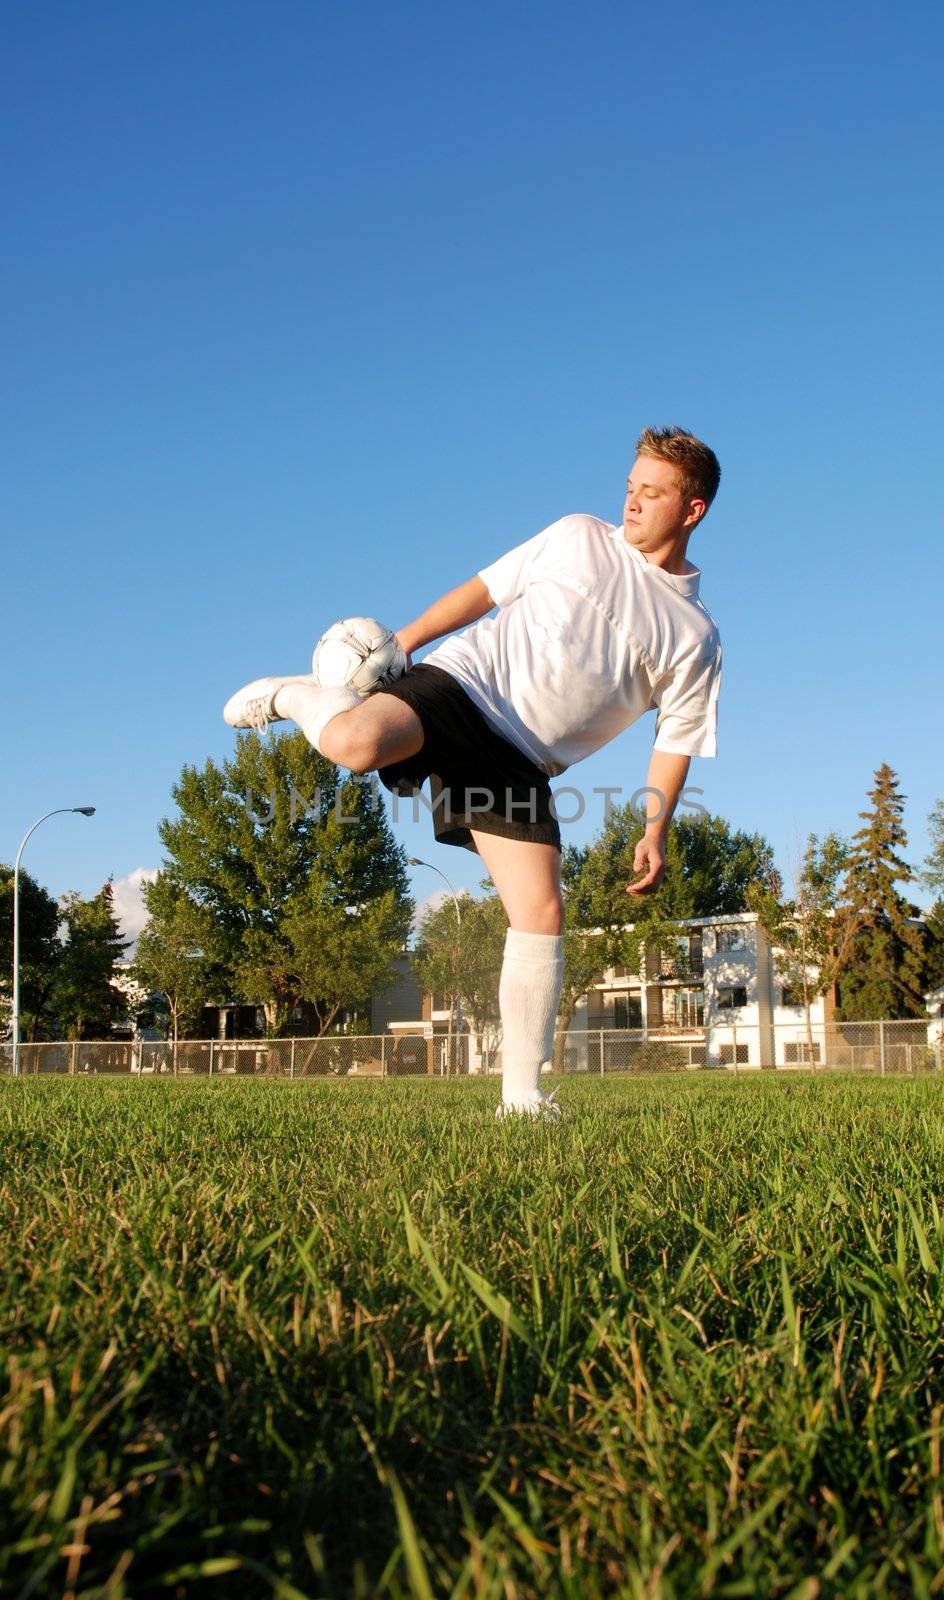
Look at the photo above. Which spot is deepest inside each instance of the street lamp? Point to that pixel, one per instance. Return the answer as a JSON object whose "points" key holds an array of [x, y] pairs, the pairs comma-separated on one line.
{"points": [[415, 861], [84, 811]]}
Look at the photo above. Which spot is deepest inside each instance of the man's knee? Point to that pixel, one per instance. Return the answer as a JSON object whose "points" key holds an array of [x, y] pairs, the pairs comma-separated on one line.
{"points": [[346, 742], [538, 913], [552, 914]]}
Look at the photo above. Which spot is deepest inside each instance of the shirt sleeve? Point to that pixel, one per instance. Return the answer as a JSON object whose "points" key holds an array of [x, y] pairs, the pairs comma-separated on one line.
{"points": [[510, 575], [687, 705]]}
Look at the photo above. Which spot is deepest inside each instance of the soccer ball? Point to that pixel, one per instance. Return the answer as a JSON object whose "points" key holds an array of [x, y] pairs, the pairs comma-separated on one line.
{"points": [[358, 653]]}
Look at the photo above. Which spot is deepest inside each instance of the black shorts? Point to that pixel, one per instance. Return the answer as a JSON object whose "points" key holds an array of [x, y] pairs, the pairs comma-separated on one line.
{"points": [[476, 778]]}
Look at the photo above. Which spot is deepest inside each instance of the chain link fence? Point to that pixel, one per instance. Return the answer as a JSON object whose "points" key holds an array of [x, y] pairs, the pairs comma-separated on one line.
{"points": [[882, 1048], [333, 1056]]}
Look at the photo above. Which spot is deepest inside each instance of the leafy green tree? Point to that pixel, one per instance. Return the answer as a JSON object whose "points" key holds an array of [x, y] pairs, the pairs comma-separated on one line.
{"points": [[588, 949], [933, 874], [464, 960], [343, 952], [809, 944], [84, 997], [174, 956], [883, 961], [710, 867], [288, 861], [40, 953]]}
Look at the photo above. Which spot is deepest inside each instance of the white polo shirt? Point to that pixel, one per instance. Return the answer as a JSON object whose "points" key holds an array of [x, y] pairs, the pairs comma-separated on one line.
{"points": [[589, 636]]}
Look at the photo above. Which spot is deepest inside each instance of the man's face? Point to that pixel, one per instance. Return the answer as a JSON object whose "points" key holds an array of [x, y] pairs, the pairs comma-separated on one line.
{"points": [[654, 512]]}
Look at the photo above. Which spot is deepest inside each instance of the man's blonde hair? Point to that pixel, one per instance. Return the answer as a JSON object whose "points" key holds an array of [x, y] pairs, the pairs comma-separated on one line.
{"points": [[699, 471]]}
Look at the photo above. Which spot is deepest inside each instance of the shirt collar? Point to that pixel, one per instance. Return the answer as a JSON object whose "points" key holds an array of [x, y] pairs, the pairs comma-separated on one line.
{"points": [[685, 583]]}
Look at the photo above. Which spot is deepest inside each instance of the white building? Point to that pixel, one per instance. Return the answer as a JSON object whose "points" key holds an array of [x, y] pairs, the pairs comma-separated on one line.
{"points": [[721, 996], [717, 999]]}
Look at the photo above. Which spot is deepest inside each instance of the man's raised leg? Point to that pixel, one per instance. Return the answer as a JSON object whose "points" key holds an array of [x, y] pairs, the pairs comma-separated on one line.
{"points": [[356, 733], [362, 736], [527, 878]]}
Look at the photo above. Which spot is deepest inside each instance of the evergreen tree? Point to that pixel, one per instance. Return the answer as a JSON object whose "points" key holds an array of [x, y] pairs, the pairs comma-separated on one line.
{"points": [[934, 947], [882, 967], [40, 953], [304, 888], [86, 1002]]}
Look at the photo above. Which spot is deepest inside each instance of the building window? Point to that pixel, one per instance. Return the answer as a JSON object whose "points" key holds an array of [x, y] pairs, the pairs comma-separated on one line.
{"points": [[803, 1051], [682, 958], [732, 938], [791, 995], [684, 1007], [728, 1057], [732, 997], [627, 1011]]}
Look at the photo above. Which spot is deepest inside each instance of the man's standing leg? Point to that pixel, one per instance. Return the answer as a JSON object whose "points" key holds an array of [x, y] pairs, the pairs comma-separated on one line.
{"points": [[527, 878]]}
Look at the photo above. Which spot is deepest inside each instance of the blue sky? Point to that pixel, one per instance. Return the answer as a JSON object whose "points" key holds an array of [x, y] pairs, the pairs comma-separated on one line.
{"points": [[312, 309]]}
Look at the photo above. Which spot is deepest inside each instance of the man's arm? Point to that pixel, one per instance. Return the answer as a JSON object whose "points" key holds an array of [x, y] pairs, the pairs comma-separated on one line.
{"points": [[665, 781], [455, 610]]}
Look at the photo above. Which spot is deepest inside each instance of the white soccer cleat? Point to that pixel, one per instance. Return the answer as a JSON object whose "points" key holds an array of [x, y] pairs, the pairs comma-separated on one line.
{"points": [[535, 1104], [254, 705]]}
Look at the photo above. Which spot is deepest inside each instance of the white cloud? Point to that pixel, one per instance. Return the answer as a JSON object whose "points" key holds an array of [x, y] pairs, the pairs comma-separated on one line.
{"points": [[128, 901], [424, 907]]}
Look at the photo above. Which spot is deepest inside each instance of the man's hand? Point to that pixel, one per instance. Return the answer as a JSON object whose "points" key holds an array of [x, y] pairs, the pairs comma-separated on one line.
{"points": [[649, 860], [667, 774]]}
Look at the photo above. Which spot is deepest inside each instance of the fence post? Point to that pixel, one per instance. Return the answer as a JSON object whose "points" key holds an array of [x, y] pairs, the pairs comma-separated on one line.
{"points": [[734, 1050], [383, 1055], [210, 1073], [881, 1049], [601, 1052], [291, 1059], [72, 1056]]}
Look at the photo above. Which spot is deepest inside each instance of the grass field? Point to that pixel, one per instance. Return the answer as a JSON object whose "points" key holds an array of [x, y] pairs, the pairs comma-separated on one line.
{"points": [[336, 1339]]}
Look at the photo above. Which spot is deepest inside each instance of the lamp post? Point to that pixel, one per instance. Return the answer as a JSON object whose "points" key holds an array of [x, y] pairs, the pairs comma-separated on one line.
{"points": [[415, 861], [85, 811]]}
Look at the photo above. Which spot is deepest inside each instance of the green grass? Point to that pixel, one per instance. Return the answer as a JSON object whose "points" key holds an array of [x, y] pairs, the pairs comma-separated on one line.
{"points": [[336, 1339]]}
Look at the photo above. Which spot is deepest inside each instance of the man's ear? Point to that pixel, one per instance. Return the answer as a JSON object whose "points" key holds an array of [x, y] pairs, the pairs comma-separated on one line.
{"points": [[696, 510]]}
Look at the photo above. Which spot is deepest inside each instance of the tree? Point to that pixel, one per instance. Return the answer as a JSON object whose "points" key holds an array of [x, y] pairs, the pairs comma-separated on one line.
{"points": [[84, 997], [934, 947], [289, 862], [40, 952], [881, 972], [588, 950], [174, 955], [809, 945], [709, 869], [343, 952], [464, 959], [933, 874]]}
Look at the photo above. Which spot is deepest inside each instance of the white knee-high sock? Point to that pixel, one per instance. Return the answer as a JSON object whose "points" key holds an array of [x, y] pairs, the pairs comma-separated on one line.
{"points": [[528, 997], [312, 708]]}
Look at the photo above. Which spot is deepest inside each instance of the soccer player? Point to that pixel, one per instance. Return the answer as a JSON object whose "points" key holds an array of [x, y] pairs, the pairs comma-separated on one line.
{"points": [[596, 625]]}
